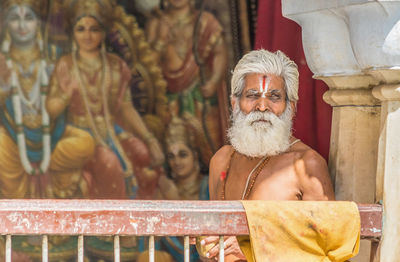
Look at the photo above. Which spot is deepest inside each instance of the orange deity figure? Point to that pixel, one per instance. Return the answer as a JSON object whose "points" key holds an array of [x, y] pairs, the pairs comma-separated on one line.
{"points": [[192, 54], [92, 87]]}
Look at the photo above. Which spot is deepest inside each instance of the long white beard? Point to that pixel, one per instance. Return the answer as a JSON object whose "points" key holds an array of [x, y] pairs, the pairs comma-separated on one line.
{"points": [[256, 139]]}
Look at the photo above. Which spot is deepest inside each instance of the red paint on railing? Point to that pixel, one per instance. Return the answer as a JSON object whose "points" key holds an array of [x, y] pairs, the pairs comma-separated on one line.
{"points": [[133, 217]]}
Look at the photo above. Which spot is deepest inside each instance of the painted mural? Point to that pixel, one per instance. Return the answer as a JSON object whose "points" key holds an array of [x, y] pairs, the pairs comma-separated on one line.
{"points": [[105, 99]]}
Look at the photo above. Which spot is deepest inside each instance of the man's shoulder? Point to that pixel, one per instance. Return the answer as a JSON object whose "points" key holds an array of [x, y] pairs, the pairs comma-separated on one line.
{"points": [[223, 153], [306, 160], [305, 153], [312, 158], [309, 162], [218, 164], [220, 159]]}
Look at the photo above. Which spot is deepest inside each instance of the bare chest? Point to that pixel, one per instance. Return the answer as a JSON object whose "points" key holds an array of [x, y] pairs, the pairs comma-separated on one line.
{"points": [[276, 180]]}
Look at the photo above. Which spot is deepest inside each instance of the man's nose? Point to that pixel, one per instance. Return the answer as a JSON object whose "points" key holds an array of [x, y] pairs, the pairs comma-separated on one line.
{"points": [[262, 104]]}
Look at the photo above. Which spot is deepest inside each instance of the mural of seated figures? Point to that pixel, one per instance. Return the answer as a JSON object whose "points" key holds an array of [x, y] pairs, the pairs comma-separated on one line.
{"points": [[110, 99]]}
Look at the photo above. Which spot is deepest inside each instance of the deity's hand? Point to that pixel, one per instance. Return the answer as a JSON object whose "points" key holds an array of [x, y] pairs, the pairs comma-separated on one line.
{"points": [[156, 152], [70, 85], [208, 89], [231, 247]]}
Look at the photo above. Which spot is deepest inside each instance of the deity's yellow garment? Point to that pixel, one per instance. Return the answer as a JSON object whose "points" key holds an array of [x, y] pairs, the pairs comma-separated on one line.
{"points": [[299, 231], [68, 157]]}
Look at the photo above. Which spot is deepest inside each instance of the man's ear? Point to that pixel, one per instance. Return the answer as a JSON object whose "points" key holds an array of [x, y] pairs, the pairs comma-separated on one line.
{"points": [[294, 108], [233, 102]]}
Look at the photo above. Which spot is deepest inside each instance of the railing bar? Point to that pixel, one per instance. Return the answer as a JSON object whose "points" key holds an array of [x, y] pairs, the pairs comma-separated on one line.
{"points": [[45, 248], [151, 249], [8, 248], [116, 249], [186, 248], [221, 249], [80, 248]]}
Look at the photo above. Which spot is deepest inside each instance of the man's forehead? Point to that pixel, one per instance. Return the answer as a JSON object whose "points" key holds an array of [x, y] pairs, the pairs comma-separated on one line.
{"points": [[253, 81]]}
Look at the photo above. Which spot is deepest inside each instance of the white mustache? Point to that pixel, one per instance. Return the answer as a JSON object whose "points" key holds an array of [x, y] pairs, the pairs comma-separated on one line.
{"points": [[254, 117]]}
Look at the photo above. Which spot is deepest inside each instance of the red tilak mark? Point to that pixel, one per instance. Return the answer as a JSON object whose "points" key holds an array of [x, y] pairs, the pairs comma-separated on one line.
{"points": [[223, 175], [264, 78]]}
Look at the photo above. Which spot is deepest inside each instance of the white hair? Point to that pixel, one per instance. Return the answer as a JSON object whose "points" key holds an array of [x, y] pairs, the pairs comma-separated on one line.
{"points": [[265, 62]]}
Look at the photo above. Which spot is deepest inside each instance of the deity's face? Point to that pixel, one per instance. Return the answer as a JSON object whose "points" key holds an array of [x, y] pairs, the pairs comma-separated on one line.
{"points": [[178, 4], [88, 34], [181, 159], [263, 93], [22, 24]]}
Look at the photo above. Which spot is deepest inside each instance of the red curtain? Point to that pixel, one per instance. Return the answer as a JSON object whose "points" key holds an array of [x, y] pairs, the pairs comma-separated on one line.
{"points": [[313, 119]]}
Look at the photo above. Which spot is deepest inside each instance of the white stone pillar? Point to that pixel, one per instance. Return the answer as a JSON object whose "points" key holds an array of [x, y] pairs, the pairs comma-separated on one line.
{"points": [[388, 172], [354, 46]]}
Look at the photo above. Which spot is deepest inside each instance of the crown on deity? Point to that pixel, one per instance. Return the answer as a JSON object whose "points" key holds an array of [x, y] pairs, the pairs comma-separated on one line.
{"points": [[101, 10], [180, 132], [38, 6], [188, 130]]}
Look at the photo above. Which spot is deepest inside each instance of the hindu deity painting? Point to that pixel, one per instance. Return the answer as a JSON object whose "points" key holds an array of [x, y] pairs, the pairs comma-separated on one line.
{"points": [[106, 99]]}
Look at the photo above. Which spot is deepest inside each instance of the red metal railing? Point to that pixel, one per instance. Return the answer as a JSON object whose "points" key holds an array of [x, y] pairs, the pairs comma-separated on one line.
{"points": [[144, 218]]}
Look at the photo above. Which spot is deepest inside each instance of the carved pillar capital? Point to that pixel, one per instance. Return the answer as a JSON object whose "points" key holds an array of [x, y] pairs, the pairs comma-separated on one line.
{"points": [[387, 92], [350, 97]]}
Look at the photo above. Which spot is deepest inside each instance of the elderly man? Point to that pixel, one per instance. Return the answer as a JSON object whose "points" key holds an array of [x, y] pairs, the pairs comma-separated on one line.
{"points": [[264, 160]]}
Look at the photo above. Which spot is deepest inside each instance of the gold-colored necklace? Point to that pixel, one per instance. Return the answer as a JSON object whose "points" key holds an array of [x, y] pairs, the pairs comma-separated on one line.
{"points": [[91, 78], [25, 58], [181, 21], [90, 66]]}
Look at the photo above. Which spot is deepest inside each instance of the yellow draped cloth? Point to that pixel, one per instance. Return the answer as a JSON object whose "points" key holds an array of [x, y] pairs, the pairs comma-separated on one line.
{"points": [[301, 231]]}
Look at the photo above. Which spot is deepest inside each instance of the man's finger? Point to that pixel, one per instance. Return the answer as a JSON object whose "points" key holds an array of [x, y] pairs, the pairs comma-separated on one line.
{"points": [[213, 251], [209, 240]]}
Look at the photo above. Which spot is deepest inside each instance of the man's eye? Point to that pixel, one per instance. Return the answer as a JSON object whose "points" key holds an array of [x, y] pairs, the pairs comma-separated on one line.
{"points": [[253, 96], [275, 96]]}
